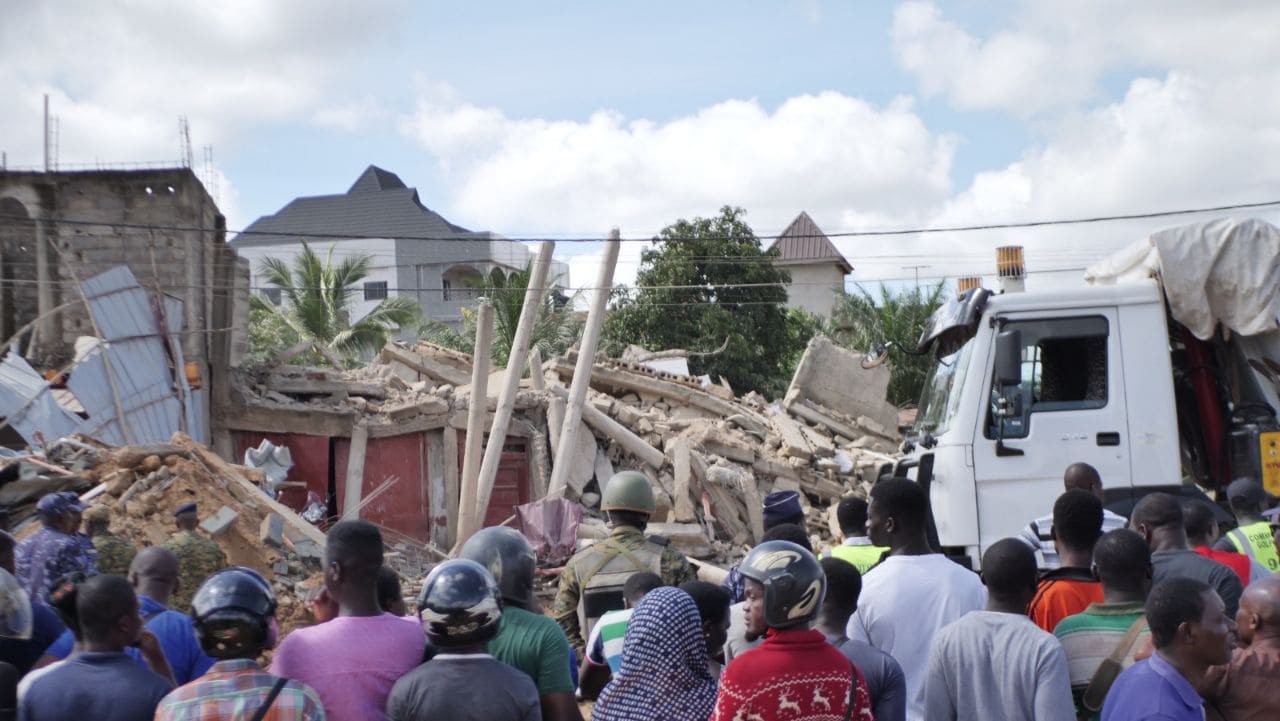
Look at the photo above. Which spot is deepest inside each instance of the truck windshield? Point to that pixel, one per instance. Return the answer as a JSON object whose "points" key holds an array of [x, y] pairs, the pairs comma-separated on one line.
{"points": [[942, 389]]}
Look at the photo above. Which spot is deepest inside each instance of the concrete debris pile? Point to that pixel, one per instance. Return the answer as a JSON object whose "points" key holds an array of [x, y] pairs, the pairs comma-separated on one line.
{"points": [[710, 455], [144, 485]]}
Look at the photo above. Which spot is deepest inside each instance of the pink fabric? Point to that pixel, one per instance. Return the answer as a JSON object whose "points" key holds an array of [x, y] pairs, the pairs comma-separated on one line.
{"points": [[352, 662]]}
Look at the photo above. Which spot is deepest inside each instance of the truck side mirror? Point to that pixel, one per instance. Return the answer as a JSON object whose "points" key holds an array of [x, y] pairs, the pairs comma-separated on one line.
{"points": [[1008, 370]]}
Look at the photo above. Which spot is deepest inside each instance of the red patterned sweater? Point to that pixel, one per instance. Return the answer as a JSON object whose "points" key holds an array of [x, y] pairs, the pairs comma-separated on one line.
{"points": [[795, 675]]}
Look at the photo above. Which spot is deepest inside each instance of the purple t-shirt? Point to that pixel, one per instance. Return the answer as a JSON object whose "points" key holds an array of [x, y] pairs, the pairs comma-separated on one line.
{"points": [[352, 662]]}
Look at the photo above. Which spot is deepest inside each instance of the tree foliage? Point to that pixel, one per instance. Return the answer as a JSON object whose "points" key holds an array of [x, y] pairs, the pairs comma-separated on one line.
{"points": [[863, 322], [555, 331], [707, 279], [316, 295]]}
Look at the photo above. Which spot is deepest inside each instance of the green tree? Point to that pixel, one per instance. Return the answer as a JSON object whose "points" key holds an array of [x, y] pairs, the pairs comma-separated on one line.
{"points": [[708, 279], [863, 322], [555, 331], [316, 296]]}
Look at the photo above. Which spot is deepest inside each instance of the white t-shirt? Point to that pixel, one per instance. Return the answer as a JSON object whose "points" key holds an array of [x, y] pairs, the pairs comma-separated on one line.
{"points": [[905, 601]]}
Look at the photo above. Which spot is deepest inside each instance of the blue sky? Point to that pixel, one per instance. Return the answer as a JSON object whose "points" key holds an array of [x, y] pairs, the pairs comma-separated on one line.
{"points": [[567, 118]]}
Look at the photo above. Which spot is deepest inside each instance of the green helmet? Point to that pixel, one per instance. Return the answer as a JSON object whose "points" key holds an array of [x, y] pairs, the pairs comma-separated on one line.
{"points": [[628, 491]]}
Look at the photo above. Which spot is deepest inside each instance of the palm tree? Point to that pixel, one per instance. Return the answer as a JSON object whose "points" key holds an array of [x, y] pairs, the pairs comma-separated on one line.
{"points": [[862, 322], [557, 327], [316, 309]]}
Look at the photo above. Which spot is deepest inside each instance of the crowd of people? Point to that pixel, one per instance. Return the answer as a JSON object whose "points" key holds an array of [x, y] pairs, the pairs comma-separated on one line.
{"points": [[1085, 615]]}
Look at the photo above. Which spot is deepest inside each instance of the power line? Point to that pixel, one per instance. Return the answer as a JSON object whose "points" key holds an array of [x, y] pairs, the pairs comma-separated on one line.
{"points": [[486, 237]]}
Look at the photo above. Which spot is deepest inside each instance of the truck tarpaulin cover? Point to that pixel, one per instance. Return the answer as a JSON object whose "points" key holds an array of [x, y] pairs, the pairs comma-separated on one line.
{"points": [[1223, 271]]}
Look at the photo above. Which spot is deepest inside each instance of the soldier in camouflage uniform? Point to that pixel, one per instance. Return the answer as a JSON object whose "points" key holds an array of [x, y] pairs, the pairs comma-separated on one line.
{"points": [[198, 557], [592, 580], [114, 553]]}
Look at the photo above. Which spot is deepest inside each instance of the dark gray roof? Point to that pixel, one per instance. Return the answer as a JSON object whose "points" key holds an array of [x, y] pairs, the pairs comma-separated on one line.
{"points": [[804, 243], [378, 205]]}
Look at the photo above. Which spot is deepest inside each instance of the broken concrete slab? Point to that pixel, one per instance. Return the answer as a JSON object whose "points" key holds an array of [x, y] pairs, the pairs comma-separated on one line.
{"points": [[271, 531], [834, 377]]}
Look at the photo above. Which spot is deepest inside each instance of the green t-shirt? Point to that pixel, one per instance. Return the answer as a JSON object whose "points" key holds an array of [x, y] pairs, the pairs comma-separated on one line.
{"points": [[535, 645]]}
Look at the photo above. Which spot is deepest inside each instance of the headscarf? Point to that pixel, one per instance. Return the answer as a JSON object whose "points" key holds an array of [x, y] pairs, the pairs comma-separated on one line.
{"points": [[664, 673]]}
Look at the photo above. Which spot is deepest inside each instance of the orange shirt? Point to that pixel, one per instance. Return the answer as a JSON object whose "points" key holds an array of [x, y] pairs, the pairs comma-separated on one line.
{"points": [[1063, 592]]}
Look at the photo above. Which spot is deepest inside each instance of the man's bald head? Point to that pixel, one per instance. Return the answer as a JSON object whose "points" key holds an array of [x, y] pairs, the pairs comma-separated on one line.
{"points": [[1083, 477], [1259, 612], [154, 573]]}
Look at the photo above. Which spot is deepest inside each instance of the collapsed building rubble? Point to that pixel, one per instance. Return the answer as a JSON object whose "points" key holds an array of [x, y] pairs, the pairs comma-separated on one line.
{"points": [[144, 485], [711, 455]]}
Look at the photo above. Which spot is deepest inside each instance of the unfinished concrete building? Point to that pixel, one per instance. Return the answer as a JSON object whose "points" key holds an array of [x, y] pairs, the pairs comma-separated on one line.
{"points": [[59, 228]]}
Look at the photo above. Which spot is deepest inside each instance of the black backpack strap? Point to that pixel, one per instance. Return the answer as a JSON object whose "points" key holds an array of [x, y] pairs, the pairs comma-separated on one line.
{"points": [[271, 698], [853, 689]]}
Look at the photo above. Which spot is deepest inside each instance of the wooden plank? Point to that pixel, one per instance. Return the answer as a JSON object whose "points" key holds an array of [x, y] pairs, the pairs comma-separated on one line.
{"points": [[682, 465], [435, 490], [353, 491], [793, 441], [533, 297], [450, 457], [468, 520], [426, 366]]}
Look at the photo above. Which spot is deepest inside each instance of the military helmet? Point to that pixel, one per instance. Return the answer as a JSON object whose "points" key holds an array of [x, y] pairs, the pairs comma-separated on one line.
{"points": [[460, 604], [794, 584], [628, 491], [506, 554], [234, 612]]}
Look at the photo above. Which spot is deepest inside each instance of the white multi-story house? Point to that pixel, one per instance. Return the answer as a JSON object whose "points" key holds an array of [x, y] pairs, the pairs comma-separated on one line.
{"points": [[414, 251], [817, 268]]}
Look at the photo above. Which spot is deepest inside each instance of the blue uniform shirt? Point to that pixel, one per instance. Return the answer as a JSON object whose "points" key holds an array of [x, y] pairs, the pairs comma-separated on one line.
{"points": [[176, 633], [1153, 690], [98, 686]]}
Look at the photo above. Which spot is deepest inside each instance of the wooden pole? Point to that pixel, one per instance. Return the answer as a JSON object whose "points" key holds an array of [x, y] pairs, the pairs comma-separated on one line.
{"points": [[533, 298], [582, 373], [467, 521], [353, 491]]}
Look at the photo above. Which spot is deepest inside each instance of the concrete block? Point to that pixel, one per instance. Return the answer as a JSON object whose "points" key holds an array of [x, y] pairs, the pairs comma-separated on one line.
{"points": [[834, 377], [219, 522], [272, 530]]}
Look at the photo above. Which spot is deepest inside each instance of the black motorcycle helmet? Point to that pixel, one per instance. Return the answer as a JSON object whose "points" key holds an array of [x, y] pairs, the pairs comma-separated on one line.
{"points": [[794, 584], [507, 555], [460, 604], [234, 612]]}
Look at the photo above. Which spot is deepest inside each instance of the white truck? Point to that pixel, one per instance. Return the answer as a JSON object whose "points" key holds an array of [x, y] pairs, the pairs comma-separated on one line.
{"points": [[1160, 371]]}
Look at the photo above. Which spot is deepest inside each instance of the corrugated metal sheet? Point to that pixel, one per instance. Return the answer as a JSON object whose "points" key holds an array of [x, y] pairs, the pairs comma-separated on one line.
{"points": [[26, 402], [138, 354]]}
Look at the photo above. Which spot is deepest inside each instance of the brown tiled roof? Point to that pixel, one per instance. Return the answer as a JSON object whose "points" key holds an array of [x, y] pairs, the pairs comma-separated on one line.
{"points": [[803, 242]]}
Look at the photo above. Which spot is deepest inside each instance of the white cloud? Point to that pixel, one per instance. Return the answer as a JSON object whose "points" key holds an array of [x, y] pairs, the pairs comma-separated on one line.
{"points": [[824, 153], [1053, 57], [120, 73]]}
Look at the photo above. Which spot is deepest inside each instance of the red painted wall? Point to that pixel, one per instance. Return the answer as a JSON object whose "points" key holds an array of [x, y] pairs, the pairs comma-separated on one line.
{"points": [[310, 462], [403, 508]]}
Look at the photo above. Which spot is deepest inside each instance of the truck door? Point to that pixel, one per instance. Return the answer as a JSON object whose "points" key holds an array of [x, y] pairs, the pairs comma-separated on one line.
{"points": [[1072, 410]]}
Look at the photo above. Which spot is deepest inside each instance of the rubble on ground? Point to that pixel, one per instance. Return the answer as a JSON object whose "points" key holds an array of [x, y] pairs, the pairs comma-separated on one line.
{"points": [[144, 485], [710, 454]]}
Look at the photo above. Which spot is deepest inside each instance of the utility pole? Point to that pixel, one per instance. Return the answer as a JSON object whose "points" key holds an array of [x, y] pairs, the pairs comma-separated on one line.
{"points": [[915, 268], [46, 132]]}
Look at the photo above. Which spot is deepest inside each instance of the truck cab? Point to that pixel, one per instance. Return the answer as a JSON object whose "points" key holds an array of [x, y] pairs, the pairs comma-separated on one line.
{"points": [[1093, 385]]}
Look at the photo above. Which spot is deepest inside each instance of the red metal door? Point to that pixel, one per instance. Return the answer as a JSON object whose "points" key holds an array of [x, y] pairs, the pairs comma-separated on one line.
{"points": [[403, 507], [511, 486]]}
